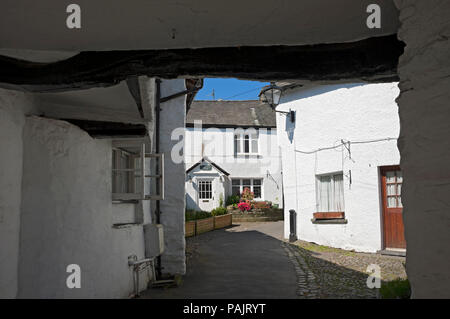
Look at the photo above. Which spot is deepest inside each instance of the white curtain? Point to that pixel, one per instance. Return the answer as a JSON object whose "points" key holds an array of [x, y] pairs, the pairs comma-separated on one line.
{"points": [[331, 193]]}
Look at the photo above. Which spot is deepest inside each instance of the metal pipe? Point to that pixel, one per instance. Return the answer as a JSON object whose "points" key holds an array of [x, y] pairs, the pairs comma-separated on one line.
{"points": [[157, 134]]}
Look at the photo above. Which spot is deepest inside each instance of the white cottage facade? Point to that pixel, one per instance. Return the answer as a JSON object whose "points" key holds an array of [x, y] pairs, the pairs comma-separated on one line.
{"points": [[340, 162], [68, 198], [230, 146]]}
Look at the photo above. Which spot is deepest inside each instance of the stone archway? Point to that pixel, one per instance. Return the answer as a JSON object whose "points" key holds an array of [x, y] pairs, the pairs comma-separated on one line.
{"points": [[423, 70]]}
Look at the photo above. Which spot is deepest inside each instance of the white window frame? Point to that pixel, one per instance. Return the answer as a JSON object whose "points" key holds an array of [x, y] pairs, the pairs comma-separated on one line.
{"points": [[331, 193], [240, 134], [139, 193], [252, 179], [204, 180]]}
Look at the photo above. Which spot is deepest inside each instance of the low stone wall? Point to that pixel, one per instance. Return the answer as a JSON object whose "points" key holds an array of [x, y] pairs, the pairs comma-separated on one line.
{"points": [[197, 227]]}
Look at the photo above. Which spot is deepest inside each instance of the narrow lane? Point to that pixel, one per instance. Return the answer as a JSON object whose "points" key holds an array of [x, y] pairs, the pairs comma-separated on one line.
{"points": [[244, 261]]}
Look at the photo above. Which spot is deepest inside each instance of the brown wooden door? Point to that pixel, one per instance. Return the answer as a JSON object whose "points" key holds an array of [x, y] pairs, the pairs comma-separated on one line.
{"points": [[393, 229]]}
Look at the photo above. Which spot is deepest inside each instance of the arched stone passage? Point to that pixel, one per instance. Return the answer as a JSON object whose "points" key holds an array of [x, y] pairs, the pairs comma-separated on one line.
{"points": [[424, 72]]}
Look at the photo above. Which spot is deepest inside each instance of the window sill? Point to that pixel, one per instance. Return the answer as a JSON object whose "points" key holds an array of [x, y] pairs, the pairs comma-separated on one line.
{"points": [[329, 215], [125, 225], [244, 155], [129, 201], [329, 221]]}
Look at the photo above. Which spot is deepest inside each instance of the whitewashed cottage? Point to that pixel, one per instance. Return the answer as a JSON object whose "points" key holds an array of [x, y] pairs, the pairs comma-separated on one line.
{"points": [[230, 146], [341, 165]]}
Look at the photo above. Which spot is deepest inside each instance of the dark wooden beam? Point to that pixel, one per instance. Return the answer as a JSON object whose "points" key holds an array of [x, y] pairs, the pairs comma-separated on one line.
{"points": [[373, 59], [99, 129]]}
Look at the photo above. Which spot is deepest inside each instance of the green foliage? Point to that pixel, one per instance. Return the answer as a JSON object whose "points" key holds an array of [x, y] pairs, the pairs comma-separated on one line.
{"points": [[219, 211], [191, 214], [221, 200], [247, 195], [233, 199], [396, 289], [202, 215]]}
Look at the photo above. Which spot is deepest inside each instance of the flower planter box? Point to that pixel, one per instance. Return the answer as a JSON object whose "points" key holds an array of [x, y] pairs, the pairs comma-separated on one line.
{"points": [[204, 225], [189, 228], [223, 221]]}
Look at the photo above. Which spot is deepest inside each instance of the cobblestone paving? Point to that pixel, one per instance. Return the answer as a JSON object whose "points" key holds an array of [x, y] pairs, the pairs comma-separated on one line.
{"points": [[324, 272], [320, 271]]}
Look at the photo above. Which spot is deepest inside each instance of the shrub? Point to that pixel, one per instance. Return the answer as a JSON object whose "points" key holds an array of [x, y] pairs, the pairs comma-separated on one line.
{"points": [[396, 289], [191, 214], [243, 206], [202, 215], [221, 200], [247, 195], [233, 199], [219, 211]]}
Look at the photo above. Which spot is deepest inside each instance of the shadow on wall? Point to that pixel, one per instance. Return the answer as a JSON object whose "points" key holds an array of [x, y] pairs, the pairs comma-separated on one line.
{"points": [[191, 203], [290, 127], [312, 91]]}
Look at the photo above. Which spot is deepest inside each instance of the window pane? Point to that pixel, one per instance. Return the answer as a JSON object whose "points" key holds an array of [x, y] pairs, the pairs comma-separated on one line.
{"points": [[324, 193], [205, 189], [391, 201], [338, 195], [399, 176], [237, 144], [246, 183], [390, 189], [254, 146], [390, 177], [256, 182], [257, 191], [236, 182], [246, 145], [236, 191]]}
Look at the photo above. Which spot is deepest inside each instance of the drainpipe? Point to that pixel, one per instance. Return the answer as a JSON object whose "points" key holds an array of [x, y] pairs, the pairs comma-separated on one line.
{"points": [[157, 128]]}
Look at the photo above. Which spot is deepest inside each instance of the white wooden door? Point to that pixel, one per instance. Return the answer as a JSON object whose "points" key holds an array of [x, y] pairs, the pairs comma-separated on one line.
{"points": [[205, 194]]}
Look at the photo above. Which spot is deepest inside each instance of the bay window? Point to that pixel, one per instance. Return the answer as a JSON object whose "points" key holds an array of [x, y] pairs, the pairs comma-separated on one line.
{"points": [[254, 184]]}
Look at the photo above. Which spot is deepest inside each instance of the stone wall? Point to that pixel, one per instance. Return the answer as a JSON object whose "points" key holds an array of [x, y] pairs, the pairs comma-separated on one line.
{"points": [[173, 206], [67, 216], [13, 106], [424, 143]]}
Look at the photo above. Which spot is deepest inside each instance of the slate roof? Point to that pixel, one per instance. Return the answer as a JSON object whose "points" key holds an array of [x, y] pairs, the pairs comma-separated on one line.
{"points": [[253, 113], [205, 159]]}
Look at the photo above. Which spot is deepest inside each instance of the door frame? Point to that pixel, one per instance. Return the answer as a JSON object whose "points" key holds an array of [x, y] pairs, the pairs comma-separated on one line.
{"points": [[211, 179], [383, 201]]}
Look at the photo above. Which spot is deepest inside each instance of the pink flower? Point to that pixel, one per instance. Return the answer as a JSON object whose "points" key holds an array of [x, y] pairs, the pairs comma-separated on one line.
{"points": [[244, 206]]}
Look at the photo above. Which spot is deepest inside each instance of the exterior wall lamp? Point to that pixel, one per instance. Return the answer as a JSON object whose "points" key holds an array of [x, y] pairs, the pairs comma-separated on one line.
{"points": [[272, 95]]}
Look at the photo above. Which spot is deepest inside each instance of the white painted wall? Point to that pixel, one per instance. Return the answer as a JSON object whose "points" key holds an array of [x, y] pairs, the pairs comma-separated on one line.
{"points": [[109, 24], [219, 188], [325, 115], [219, 148], [173, 206], [67, 216], [13, 106], [56, 207], [424, 143]]}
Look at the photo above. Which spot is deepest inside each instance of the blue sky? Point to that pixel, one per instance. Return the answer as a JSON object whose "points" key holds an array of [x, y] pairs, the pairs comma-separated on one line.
{"points": [[230, 89]]}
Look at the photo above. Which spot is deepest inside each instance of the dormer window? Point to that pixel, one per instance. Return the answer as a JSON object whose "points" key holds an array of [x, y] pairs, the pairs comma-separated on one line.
{"points": [[246, 142]]}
